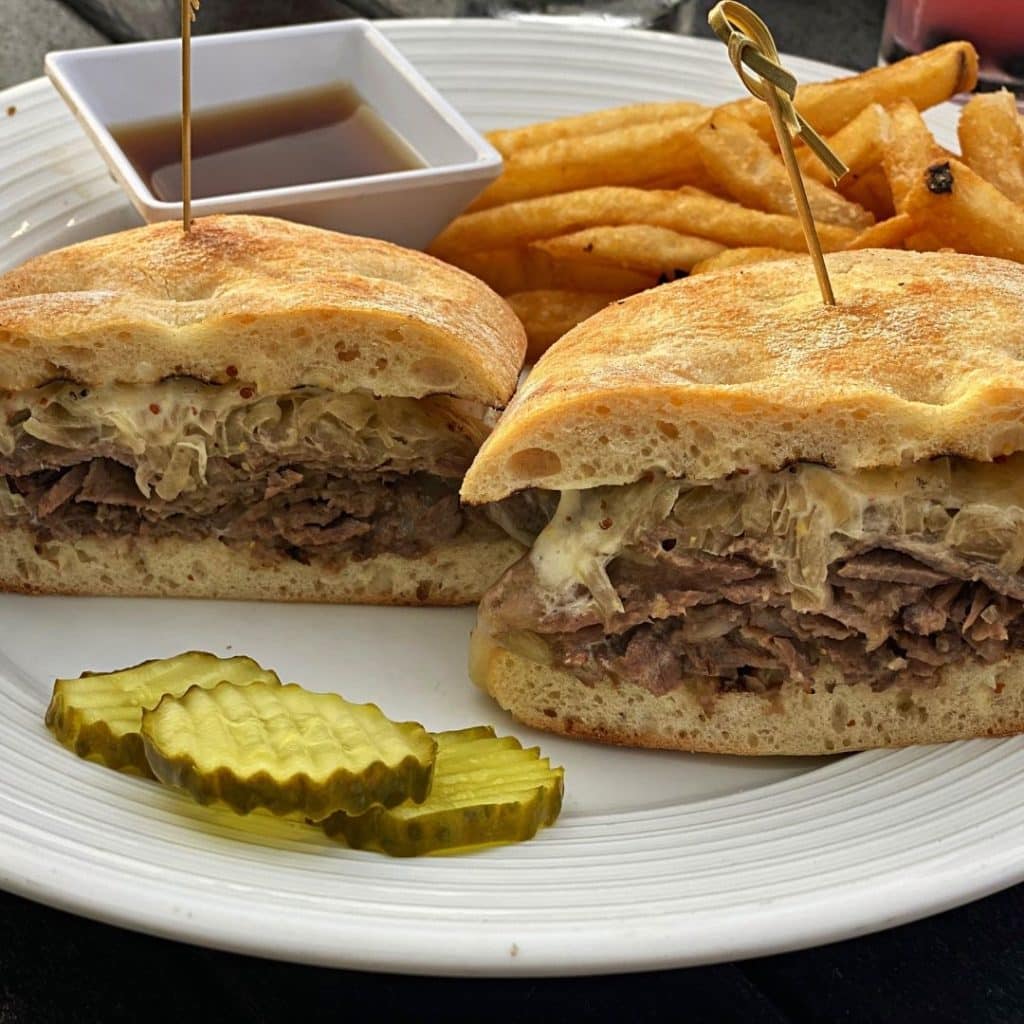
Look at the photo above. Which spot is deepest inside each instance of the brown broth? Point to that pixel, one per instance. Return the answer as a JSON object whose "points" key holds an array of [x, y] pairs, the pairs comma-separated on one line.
{"points": [[325, 134]]}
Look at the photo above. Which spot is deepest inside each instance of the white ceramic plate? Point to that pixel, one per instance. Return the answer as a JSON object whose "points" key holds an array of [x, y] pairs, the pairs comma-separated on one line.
{"points": [[658, 860]]}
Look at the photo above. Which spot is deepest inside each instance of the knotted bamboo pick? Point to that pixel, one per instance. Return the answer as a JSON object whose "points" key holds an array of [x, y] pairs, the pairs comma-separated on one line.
{"points": [[188, 15], [751, 44]]}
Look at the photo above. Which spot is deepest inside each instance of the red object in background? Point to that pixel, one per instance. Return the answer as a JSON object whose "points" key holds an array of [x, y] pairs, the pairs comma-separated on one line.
{"points": [[996, 27]]}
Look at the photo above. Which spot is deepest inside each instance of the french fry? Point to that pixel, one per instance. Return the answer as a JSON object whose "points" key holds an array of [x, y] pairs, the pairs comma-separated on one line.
{"points": [[688, 211], [924, 80], [886, 234], [965, 212], [511, 140], [529, 268], [754, 174], [871, 190], [505, 269], [740, 257], [911, 147], [639, 247], [547, 314], [992, 141], [922, 241], [699, 177], [858, 144], [546, 270], [625, 156]]}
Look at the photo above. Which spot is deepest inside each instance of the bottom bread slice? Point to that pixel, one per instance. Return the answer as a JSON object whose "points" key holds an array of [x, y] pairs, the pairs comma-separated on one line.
{"points": [[454, 573], [968, 700]]}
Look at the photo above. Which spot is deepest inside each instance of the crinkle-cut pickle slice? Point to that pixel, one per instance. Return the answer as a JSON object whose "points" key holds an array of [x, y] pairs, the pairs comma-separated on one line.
{"points": [[487, 790], [99, 714], [286, 749]]}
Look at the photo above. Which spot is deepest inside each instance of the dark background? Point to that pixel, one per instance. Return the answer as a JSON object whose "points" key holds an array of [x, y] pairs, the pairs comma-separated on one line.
{"points": [[964, 966]]}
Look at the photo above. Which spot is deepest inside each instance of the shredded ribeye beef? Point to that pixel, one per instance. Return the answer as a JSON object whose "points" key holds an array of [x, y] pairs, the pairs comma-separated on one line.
{"points": [[306, 472], [300, 510], [929, 580], [892, 617]]}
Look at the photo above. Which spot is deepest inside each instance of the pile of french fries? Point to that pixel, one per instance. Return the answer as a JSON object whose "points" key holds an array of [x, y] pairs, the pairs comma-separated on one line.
{"points": [[592, 208]]}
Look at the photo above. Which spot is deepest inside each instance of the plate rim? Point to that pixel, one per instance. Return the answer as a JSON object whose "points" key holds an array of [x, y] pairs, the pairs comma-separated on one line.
{"points": [[516, 948]]}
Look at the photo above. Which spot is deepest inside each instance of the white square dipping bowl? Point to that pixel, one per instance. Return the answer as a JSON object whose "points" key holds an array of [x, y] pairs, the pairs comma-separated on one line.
{"points": [[117, 85]]}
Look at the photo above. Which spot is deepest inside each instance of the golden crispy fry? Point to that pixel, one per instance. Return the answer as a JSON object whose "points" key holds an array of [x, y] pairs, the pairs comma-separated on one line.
{"points": [[992, 140], [754, 174], [525, 268], [596, 265], [963, 211], [688, 211], [695, 177], [911, 147], [922, 241], [871, 190], [925, 80], [505, 270], [858, 144], [576, 273], [886, 234], [740, 257], [511, 140], [692, 212], [639, 247], [626, 156], [547, 314], [543, 217]]}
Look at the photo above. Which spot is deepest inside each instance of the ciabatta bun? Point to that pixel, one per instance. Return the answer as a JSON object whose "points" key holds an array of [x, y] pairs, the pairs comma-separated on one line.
{"points": [[455, 573], [747, 368], [967, 700], [259, 301]]}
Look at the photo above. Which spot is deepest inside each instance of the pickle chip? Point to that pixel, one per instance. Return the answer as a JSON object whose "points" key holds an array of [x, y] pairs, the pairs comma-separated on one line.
{"points": [[287, 750], [486, 790], [99, 714]]}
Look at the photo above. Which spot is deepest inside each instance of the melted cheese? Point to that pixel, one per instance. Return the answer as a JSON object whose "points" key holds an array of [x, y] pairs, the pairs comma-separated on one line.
{"points": [[589, 528], [171, 429], [803, 517]]}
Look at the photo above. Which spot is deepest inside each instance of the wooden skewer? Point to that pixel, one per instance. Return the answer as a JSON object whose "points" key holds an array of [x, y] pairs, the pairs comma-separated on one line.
{"points": [[188, 15], [751, 44], [803, 206]]}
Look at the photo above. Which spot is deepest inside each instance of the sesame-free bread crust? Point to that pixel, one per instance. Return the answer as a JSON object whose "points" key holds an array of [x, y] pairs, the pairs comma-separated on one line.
{"points": [[454, 573], [747, 368], [967, 700], [259, 300]]}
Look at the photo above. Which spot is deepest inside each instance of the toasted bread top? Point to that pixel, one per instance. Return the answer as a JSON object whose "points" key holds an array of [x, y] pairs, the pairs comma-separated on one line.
{"points": [[259, 300], [747, 368]]}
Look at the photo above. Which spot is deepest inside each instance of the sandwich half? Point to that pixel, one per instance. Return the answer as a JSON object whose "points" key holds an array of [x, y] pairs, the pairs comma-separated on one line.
{"points": [[256, 409], [776, 527]]}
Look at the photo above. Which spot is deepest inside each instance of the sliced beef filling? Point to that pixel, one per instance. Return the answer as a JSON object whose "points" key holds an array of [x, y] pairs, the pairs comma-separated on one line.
{"points": [[758, 646], [303, 511], [893, 618]]}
